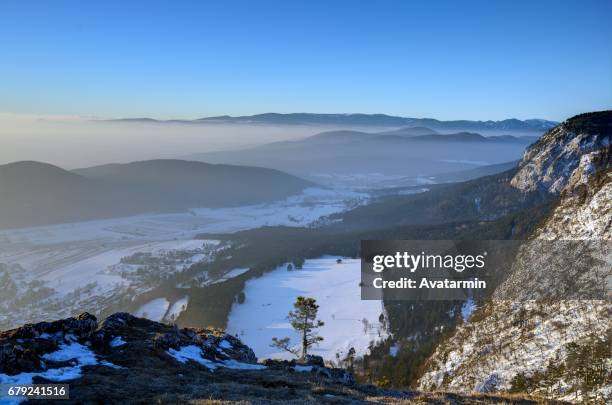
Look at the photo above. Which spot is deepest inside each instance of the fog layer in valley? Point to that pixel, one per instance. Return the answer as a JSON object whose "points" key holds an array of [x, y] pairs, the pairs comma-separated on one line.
{"points": [[71, 142]]}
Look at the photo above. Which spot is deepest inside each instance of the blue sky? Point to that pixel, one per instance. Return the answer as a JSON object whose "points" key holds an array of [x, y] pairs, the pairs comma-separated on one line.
{"points": [[183, 59]]}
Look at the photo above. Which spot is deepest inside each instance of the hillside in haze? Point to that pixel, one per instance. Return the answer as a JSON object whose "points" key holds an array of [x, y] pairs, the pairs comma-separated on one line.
{"points": [[35, 193], [404, 156]]}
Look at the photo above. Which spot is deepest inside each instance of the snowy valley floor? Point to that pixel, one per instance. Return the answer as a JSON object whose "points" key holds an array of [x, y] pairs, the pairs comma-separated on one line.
{"points": [[67, 268], [349, 321]]}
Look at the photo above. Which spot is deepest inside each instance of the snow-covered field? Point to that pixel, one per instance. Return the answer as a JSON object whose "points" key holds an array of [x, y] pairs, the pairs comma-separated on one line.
{"points": [[335, 286], [154, 310], [369, 181], [298, 210], [159, 309], [177, 308], [70, 265], [83, 260]]}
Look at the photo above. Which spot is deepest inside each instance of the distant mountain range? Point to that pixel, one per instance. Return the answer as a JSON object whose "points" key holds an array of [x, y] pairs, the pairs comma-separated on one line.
{"points": [[374, 120], [35, 193]]}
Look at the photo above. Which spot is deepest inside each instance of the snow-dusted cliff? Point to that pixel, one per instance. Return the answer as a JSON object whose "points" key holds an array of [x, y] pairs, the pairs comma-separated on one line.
{"points": [[567, 155], [535, 336]]}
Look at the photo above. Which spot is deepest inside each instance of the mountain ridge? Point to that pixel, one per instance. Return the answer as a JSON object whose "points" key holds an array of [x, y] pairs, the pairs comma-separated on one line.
{"points": [[358, 119]]}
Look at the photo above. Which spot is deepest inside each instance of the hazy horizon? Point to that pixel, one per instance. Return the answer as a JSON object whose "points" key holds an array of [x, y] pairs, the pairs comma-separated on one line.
{"points": [[76, 143], [73, 142], [4, 115]]}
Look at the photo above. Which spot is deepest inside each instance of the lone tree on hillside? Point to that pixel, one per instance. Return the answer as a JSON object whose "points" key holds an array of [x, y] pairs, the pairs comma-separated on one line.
{"points": [[303, 320]]}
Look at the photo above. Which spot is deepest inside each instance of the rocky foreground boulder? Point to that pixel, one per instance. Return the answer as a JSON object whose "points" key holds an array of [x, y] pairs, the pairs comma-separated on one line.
{"points": [[125, 359]]}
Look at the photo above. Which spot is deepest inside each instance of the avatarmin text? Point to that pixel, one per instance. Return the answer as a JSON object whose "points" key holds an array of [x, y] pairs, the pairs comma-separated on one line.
{"points": [[405, 282]]}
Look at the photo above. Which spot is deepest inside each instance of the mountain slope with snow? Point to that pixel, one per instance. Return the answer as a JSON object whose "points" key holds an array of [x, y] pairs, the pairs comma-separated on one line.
{"points": [[520, 341]]}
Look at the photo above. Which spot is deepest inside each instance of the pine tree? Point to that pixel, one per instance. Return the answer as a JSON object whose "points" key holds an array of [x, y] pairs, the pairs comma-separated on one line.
{"points": [[303, 320]]}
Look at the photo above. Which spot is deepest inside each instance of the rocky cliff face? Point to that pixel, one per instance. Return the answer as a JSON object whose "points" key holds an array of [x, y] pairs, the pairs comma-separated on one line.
{"points": [[568, 155], [537, 334]]}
